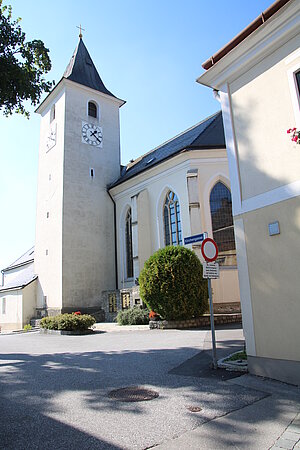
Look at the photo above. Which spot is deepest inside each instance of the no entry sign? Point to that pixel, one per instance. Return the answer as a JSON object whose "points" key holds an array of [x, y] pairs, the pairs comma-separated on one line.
{"points": [[209, 250]]}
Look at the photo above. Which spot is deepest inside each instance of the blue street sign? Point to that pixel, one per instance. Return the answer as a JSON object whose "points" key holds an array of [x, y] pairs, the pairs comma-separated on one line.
{"points": [[195, 238]]}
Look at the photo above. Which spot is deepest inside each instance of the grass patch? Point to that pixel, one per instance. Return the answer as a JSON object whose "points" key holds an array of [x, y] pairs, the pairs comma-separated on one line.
{"points": [[237, 356]]}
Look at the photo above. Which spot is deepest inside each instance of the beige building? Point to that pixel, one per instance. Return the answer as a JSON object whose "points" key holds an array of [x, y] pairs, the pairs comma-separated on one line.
{"points": [[257, 80], [18, 293], [98, 222]]}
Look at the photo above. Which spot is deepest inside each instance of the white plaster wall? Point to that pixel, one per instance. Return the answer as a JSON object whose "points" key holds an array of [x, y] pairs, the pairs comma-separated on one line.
{"points": [[49, 199], [88, 213], [12, 320], [262, 103], [29, 302]]}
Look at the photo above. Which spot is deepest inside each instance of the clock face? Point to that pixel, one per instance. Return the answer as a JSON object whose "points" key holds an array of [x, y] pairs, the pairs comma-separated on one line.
{"points": [[91, 134], [51, 138]]}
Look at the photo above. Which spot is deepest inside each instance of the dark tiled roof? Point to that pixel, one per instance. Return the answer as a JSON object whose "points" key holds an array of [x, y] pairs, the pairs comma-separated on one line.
{"points": [[205, 135], [81, 69], [24, 259]]}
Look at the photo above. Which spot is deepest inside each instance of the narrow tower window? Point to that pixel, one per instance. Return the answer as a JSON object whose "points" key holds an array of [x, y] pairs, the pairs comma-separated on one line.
{"points": [[172, 222], [128, 241], [52, 113], [92, 110]]}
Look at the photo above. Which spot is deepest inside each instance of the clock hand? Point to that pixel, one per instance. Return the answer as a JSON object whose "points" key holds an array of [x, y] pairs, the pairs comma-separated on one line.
{"points": [[94, 135]]}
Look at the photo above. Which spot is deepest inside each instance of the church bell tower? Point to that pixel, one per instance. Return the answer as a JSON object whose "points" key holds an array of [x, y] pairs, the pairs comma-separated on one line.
{"points": [[79, 156]]}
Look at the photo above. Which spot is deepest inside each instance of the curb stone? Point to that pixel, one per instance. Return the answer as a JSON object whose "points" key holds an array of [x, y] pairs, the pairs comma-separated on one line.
{"points": [[234, 366]]}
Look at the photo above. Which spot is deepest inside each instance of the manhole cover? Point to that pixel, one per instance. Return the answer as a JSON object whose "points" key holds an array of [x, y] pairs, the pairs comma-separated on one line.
{"points": [[194, 408], [133, 394]]}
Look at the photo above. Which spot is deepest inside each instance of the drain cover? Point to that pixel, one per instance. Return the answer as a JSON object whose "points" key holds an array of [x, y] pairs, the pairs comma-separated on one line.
{"points": [[133, 394], [194, 408]]}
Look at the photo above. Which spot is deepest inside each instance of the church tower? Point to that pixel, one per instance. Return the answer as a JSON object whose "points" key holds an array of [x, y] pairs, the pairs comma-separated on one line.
{"points": [[79, 156]]}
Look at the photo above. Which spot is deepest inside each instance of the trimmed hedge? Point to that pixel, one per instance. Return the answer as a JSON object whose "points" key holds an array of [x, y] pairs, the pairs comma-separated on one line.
{"points": [[133, 316], [171, 284], [68, 322]]}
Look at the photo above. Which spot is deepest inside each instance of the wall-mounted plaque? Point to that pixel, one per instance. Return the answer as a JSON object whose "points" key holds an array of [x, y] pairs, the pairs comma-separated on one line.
{"points": [[125, 300], [112, 303]]}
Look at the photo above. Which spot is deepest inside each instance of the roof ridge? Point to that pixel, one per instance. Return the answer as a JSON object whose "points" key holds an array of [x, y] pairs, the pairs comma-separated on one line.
{"points": [[130, 165]]}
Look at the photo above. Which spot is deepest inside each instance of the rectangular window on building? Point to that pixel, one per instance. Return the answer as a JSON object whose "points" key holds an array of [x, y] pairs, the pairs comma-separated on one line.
{"points": [[4, 306]]}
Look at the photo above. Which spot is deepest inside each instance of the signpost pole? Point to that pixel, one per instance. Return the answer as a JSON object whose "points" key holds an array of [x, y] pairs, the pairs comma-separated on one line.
{"points": [[212, 326]]}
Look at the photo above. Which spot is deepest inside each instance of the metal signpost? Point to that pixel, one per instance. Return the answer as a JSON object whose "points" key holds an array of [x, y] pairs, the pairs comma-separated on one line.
{"points": [[209, 250], [195, 238]]}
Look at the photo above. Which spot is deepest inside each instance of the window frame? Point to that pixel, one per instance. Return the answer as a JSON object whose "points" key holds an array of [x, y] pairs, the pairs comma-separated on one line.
{"points": [[167, 219], [222, 253], [129, 270], [95, 104], [295, 91]]}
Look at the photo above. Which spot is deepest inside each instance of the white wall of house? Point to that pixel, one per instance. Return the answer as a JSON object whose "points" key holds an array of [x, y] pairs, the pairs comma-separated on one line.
{"points": [[260, 102], [11, 310]]}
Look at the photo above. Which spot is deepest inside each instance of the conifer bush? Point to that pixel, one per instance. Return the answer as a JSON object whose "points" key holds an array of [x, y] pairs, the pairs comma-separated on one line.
{"points": [[171, 284]]}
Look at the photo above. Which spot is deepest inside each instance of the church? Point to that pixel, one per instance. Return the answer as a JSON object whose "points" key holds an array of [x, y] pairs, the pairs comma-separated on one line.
{"points": [[97, 222]]}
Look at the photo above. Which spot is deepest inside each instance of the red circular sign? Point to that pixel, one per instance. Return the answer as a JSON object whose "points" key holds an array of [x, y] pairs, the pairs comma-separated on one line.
{"points": [[209, 250]]}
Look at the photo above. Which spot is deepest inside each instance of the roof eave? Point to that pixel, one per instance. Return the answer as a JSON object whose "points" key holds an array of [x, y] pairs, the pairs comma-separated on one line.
{"points": [[65, 82], [260, 20], [18, 287], [17, 265]]}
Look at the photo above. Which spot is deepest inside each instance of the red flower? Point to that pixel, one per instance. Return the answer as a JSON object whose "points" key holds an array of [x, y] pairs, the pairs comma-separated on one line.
{"points": [[289, 130], [295, 138], [152, 315], [77, 313]]}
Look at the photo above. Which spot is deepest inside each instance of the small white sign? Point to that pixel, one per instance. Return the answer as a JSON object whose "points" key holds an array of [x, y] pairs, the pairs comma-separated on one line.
{"points": [[211, 270]]}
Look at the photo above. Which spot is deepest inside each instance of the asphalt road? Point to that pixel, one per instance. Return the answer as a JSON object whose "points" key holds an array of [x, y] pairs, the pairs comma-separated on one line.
{"points": [[54, 389]]}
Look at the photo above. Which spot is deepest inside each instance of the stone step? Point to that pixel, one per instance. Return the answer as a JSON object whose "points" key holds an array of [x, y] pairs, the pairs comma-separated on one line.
{"points": [[35, 323]]}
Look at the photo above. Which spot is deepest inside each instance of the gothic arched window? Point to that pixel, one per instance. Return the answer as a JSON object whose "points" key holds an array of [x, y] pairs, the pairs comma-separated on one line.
{"points": [[128, 243], [172, 223], [222, 223], [92, 109]]}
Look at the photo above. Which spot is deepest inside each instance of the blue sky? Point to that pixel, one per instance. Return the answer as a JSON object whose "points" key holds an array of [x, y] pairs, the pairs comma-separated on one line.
{"points": [[147, 52]]}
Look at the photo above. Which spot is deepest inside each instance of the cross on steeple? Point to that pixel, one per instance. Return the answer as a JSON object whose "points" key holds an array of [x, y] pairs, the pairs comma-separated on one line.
{"points": [[80, 30]]}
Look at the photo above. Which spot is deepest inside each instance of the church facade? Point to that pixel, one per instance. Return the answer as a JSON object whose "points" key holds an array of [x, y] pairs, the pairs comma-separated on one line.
{"points": [[98, 222]]}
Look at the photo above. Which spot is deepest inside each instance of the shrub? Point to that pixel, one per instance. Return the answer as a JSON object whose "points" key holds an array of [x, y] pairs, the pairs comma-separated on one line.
{"points": [[133, 316], [68, 322], [27, 327], [171, 284]]}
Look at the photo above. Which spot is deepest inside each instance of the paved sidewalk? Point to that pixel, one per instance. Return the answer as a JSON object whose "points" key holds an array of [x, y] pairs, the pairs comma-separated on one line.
{"points": [[272, 422]]}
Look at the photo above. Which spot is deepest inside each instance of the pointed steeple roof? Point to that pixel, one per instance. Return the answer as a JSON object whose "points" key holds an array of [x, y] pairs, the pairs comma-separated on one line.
{"points": [[82, 70]]}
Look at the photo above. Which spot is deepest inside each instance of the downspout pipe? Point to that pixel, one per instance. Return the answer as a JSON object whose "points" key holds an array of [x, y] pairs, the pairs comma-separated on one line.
{"points": [[115, 235]]}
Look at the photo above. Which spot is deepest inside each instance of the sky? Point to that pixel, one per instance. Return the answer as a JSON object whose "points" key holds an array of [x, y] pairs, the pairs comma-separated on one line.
{"points": [[147, 52]]}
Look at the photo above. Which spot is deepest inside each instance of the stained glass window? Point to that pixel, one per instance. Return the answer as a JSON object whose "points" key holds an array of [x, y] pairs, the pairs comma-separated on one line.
{"points": [[172, 222], [128, 240], [222, 223]]}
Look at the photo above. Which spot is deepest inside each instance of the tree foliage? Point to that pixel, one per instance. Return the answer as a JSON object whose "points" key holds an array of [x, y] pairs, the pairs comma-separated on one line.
{"points": [[22, 65], [171, 284]]}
